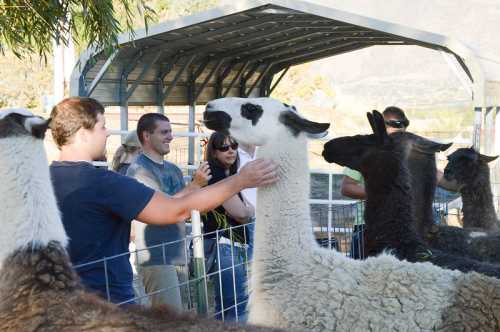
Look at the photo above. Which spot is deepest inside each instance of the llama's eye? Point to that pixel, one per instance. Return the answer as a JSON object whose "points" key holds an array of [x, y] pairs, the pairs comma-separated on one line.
{"points": [[251, 112]]}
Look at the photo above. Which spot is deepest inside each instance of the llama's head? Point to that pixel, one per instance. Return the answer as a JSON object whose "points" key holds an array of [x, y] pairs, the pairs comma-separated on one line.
{"points": [[379, 153], [28, 212], [465, 165], [20, 122], [259, 121]]}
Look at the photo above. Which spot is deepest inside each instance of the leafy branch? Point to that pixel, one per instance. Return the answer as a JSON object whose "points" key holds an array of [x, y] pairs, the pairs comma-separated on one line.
{"points": [[28, 26]]}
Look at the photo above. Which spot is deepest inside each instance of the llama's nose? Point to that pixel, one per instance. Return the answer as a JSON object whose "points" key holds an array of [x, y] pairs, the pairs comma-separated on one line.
{"points": [[217, 120]]}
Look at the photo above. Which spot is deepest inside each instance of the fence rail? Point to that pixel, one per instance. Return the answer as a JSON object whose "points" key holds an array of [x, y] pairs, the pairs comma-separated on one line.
{"points": [[216, 265]]}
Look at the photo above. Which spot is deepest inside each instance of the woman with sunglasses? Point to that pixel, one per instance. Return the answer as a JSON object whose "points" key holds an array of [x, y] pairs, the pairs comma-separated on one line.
{"points": [[225, 230]]}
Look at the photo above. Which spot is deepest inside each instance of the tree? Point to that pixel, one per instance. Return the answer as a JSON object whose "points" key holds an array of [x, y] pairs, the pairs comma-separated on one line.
{"points": [[28, 26]]}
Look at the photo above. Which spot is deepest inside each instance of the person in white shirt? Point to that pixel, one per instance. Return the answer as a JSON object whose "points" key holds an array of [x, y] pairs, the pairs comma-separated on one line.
{"points": [[247, 153]]}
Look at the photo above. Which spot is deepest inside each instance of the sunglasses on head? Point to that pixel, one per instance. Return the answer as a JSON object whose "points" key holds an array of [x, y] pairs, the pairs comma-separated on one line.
{"points": [[395, 123], [226, 147]]}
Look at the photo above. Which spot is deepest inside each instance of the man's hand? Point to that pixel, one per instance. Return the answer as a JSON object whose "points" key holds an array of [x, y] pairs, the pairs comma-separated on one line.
{"points": [[258, 173], [202, 175]]}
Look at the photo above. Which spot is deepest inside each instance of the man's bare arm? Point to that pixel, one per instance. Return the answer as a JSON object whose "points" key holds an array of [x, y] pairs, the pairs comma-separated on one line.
{"points": [[445, 184], [235, 207], [351, 188], [163, 210], [200, 180]]}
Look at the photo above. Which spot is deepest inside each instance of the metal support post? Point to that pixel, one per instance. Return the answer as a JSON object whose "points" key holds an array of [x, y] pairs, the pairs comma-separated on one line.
{"points": [[476, 137], [496, 148], [495, 167], [278, 80], [199, 263], [329, 214], [489, 130], [159, 91], [123, 106], [192, 118]]}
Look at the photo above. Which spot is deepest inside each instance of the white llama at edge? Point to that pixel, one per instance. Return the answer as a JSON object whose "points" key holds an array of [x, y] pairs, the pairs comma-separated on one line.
{"points": [[39, 290], [297, 284]]}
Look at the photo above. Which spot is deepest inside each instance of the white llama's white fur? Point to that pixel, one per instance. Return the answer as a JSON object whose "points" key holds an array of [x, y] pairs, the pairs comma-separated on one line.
{"points": [[29, 212], [297, 284], [38, 287]]}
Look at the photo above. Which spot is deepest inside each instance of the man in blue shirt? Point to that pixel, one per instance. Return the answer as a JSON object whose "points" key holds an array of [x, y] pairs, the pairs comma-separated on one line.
{"points": [[98, 205], [158, 265]]}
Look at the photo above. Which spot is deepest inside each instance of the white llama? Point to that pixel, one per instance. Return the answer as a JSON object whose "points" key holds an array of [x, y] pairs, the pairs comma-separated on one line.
{"points": [[39, 290], [297, 284]]}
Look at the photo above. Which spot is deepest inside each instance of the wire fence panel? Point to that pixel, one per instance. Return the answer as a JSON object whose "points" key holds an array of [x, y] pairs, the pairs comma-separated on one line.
{"points": [[213, 277]]}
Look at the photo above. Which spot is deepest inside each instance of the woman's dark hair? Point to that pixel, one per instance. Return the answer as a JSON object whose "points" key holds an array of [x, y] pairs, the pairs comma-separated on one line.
{"points": [[217, 140]]}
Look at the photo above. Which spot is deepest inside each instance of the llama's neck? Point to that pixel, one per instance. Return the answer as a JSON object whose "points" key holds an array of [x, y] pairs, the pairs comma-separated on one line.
{"points": [[423, 181], [283, 227], [29, 215], [477, 199], [389, 216]]}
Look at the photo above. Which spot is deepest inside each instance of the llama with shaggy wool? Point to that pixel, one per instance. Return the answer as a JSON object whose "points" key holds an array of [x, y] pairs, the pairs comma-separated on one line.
{"points": [[39, 289], [453, 247], [467, 172], [295, 283], [479, 238], [390, 219], [469, 169]]}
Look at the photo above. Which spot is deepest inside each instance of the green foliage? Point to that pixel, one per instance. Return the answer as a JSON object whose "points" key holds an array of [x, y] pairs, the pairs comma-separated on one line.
{"points": [[23, 30], [28, 26]]}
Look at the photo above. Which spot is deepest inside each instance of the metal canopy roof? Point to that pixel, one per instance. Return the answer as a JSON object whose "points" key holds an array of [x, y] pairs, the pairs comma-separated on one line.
{"points": [[234, 51]]}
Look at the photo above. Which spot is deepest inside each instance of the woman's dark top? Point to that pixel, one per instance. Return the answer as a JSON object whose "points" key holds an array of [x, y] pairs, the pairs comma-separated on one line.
{"points": [[218, 218]]}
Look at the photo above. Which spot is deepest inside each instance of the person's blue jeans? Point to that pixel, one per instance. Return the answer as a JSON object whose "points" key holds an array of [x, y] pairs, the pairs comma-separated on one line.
{"points": [[230, 281], [250, 231], [357, 242]]}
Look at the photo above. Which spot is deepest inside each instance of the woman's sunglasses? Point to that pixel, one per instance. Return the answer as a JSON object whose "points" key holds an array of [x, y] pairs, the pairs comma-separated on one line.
{"points": [[225, 148], [396, 123]]}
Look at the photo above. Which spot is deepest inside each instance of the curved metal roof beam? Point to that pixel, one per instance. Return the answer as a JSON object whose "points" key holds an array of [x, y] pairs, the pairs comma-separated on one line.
{"points": [[267, 8]]}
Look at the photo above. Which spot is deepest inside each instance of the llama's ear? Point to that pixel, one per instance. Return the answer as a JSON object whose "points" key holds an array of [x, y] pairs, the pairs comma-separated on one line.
{"points": [[378, 126], [486, 159], [371, 121], [297, 124], [430, 147], [37, 126], [445, 147]]}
